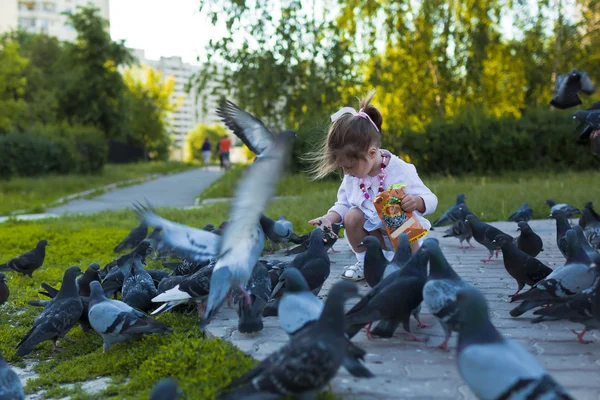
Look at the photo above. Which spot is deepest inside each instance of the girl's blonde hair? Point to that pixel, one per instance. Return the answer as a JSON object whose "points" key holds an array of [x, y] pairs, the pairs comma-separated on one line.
{"points": [[349, 136]]}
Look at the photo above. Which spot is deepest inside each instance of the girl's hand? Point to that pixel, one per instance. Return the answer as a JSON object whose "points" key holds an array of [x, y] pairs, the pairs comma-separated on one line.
{"points": [[322, 222], [411, 203]]}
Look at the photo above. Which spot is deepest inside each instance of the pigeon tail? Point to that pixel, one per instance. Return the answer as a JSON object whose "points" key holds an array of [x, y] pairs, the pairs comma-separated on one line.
{"points": [[172, 295], [220, 287]]}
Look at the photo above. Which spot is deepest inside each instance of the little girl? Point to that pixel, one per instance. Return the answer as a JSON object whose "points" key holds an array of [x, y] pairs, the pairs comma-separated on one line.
{"points": [[352, 144]]}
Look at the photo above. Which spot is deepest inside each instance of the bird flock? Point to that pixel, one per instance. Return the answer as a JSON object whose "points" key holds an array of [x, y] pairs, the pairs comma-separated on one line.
{"points": [[222, 264]]}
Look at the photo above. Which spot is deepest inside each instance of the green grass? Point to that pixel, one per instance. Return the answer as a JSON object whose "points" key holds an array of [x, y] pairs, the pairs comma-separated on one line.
{"points": [[33, 194], [200, 365]]}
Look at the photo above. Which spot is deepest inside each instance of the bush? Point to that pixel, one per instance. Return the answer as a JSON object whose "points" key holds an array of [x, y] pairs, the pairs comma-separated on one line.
{"points": [[30, 155], [478, 143]]}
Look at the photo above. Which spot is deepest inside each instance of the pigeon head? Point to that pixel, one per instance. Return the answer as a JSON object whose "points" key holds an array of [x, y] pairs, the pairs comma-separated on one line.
{"points": [[332, 317], [589, 204], [218, 231], [96, 291], [94, 267], [403, 251], [72, 272], [502, 240], [281, 218], [523, 226], [209, 227], [558, 214], [293, 280], [370, 242], [288, 135], [2, 277], [550, 202], [224, 224], [473, 308], [438, 265], [580, 115], [460, 198], [166, 389], [316, 237], [42, 244], [469, 217], [144, 248], [575, 252]]}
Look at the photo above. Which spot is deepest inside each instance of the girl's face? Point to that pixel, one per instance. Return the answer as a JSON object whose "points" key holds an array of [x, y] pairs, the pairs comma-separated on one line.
{"points": [[360, 167]]}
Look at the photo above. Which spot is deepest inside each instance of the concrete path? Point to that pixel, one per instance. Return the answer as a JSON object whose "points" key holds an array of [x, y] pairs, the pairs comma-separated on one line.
{"points": [[176, 190], [409, 370]]}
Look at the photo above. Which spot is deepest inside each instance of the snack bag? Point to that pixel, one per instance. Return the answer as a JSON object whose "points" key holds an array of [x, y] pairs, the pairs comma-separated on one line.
{"points": [[395, 220]]}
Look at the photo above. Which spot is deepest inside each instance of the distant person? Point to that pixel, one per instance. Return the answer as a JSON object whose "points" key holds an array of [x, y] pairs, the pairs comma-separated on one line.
{"points": [[224, 146], [206, 146], [220, 156]]}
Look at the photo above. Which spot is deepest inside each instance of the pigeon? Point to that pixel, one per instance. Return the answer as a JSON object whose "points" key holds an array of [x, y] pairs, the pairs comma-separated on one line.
{"points": [[589, 122], [484, 234], [565, 281], [394, 298], [583, 308], [525, 269], [401, 256], [591, 253], [52, 293], [142, 249], [58, 318], [4, 291], [562, 226], [462, 231], [375, 262], [589, 205], [138, 287], [10, 385], [528, 241], [251, 131], [452, 214], [439, 293], [169, 283], [592, 228], [133, 238], [524, 213], [569, 210], [259, 289], [118, 322], [155, 238], [166, 389], [90, 275], [307, 363], [299, 309], [243, 240], [567, 87], [330, 237], [28, 262], [495, 367], [157, 275], [185, 267], [113, 282], [280, 231]]}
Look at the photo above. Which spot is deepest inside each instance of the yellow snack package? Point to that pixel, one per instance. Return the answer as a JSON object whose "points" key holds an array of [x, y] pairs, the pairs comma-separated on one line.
{"points": [[395, 219]]}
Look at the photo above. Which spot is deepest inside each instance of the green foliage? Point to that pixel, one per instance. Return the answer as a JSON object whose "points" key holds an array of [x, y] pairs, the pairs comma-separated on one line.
{"points": [[195, 139], [474, 142], [12, 84], [30, 155]]}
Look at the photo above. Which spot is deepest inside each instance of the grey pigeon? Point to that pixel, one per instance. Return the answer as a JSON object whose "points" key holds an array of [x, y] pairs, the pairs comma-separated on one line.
{"points": [[569, 210], [589, 122], [28, 262], [158, 275], [185, 267], [4, 291], [243, 240], [591, 253], [525, 269], [375, 262], [524, 213], [583, 308], [330, 237], [113, 282], [10, 385], [439, 293], [52, 293], [485, 234], [452, 214], [133, 238], [118, 322], [564, 282], [394, 298], [567, 87], [58, 318], [592, 228], [259, 289], [299, 308], [462, 231], [307, 363], [155, 238], [91, 274], [494, 367], [280, 231], [562, 226], [251, 131], [595, 217], [528, 241], [169, 283], [142, 249], [166, 389], [138, 287]]}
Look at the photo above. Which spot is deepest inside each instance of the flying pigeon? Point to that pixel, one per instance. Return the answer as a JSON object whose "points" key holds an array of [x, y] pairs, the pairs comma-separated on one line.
{"points": [[4, 291], [116, 321], [567, 86], [562, 226], [462, 231], [564, 282], [524, 213], [166, 389], [569, 210], [485, 234], [439, 293], [10, 385], [307, 363], [589, 122], [528, 241], [259, 289], [492, 366], [91, 274], [526, 270], [452, 214], [251, 131], [375, 262], [28, 262], [133, 238], [58, 318]]}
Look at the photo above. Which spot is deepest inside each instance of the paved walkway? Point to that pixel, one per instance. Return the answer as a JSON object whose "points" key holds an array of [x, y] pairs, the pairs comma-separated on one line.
{"points": [[406, 369], [176, 190]]}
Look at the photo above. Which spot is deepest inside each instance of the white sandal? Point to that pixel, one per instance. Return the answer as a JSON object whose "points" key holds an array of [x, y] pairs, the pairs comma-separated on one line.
{"points": [[354, 272]]}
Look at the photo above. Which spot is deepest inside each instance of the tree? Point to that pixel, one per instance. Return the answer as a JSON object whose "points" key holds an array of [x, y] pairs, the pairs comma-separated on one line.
{"points": [[93, 93], [149, 103], [195, 139], [12, 84]]}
